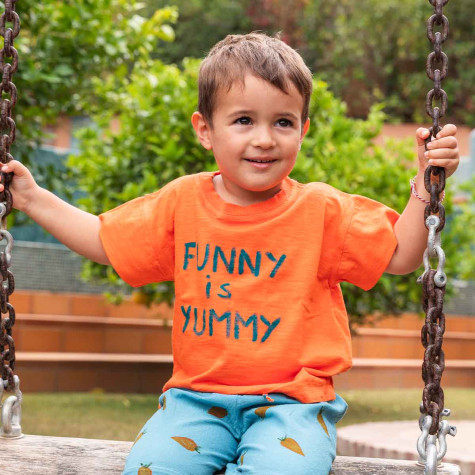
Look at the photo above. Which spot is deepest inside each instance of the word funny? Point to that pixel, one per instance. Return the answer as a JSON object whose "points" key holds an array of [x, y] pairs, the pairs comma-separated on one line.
{"points": [[233, 261]]}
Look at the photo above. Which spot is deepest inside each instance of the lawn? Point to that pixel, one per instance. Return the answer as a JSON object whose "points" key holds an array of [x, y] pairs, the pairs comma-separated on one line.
{"points": [[120, 416]]}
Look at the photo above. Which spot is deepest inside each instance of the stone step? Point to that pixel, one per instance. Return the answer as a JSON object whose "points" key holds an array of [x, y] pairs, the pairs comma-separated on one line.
{"points": [[396, 343], [138, 373], [372, 373], [77, 304], [397, 440], [414, 321], [92, 334], [80, 304]]}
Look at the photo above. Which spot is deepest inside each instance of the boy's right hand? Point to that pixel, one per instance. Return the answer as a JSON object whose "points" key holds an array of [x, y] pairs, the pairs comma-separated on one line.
{"points": [[23, 186]]}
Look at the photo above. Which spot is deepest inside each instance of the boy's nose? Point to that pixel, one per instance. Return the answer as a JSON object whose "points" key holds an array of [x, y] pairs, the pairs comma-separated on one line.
{"points": [[263, 138]]}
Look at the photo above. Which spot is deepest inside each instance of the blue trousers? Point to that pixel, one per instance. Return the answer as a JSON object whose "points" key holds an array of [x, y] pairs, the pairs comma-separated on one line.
{"points": [[195, 433]]}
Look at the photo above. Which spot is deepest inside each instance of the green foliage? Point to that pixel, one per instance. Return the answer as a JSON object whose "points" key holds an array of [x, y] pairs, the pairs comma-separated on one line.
{"points": [[155, 144], [63, 47], [370, 51], [202, 24]]}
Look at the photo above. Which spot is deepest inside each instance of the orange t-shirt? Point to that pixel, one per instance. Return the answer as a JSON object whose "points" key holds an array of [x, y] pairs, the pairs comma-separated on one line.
{"points": [[258, 307]]}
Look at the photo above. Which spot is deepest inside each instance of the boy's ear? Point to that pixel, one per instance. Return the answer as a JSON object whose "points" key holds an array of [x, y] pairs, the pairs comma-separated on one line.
{"points": [[202, 129]]}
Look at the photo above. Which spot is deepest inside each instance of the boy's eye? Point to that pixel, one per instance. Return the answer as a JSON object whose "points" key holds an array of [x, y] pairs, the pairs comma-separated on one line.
{"points": [[243, 120], [284, 123]]}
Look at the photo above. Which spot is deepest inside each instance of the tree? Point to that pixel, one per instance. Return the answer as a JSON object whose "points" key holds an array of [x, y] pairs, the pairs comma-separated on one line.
{"points": [[368, 51], [202, 24], [63, 47], [371, 51]]}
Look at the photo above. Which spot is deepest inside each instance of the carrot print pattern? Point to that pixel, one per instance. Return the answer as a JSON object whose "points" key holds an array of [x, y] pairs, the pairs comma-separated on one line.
{"points": [[217, 411], [139, 436], [241, 459], [291, 444], [322, 423], [189, 444], [144, 470], [261, 411], [164, 405]]}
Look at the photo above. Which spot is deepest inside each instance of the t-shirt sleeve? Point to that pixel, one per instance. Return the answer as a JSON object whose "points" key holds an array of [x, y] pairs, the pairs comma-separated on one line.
{"points": [[138, 238], [369, 242]]}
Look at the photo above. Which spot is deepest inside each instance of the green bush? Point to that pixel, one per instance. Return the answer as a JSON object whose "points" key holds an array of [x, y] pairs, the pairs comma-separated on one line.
{"points": [[155, 144], [63, 47]]}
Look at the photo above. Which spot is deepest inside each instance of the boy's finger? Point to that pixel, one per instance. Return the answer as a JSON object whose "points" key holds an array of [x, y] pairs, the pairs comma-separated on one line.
{"points": [[445, 142], [443, 163], [448, 129], [449, 153], [9, 167], [421, 135]]}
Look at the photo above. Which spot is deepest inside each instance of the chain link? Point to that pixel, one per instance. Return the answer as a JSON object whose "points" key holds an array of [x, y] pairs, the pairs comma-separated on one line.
{"points": [[8, 99], [434, 281]]}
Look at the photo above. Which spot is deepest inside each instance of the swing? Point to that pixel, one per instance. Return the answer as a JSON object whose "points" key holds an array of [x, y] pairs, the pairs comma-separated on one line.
{"points": [[32, 454]]}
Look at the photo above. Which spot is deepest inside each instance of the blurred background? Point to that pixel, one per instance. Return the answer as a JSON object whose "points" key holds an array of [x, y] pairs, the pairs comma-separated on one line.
{"points": [[106, 89]]}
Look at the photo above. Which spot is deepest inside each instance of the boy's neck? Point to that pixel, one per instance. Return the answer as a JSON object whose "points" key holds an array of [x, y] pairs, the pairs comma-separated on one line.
{"points": [[239, 196]]}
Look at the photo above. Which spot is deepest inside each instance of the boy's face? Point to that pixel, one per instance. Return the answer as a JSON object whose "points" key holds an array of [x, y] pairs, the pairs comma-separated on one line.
{"points": [[256, 135]]}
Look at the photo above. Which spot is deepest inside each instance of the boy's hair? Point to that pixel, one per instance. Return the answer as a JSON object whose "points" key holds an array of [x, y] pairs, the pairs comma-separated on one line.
{"points": [[268, 58]]}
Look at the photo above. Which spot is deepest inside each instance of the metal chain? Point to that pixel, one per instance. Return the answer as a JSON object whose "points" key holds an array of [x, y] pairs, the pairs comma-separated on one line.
{"points": [[434, 281], [11, 408]]}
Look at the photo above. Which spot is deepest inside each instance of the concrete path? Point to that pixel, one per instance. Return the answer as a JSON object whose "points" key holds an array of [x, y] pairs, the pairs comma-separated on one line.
{"points": [[397, 440]]}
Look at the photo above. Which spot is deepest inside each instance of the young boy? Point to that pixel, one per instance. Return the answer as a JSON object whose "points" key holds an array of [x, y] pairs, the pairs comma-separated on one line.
{"points": [[259, 326]]}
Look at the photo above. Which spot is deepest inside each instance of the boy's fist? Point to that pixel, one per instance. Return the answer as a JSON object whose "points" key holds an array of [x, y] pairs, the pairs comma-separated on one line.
{"points": [[441, 152], [23, 185]]}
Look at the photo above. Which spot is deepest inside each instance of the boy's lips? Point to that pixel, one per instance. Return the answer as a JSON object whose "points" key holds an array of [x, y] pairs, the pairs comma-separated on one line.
{"points": [[261, 160], [261, 163]]}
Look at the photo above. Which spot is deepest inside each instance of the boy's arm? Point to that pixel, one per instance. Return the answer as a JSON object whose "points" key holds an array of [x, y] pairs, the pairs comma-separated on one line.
{"points": [[411, 233], [73, 227]]}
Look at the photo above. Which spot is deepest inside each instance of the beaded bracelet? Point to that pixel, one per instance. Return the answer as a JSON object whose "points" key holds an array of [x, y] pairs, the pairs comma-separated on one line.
{"points": [[412, 181]]}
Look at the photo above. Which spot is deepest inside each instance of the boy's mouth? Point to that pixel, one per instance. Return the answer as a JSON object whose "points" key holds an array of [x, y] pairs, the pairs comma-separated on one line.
{"points": [[255, 160]]}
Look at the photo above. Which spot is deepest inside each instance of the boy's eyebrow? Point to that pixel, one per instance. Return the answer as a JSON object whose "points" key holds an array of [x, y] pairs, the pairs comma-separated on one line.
{"points": [[241, 112], [250, 112]]}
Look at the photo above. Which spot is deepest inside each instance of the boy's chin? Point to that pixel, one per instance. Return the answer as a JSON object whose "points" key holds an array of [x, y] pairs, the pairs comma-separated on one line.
{"points": [[262, 187]]}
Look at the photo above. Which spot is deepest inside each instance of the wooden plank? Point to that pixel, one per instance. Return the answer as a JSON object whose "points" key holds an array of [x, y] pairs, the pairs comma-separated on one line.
{"points": [[41, 455]]}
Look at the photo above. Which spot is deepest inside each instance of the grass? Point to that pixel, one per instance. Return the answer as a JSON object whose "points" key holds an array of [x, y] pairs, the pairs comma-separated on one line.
{"points": [[120, 416]]}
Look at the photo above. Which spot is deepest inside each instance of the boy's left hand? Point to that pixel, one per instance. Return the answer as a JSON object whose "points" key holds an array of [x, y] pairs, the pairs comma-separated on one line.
{"points": [[441, 152]]}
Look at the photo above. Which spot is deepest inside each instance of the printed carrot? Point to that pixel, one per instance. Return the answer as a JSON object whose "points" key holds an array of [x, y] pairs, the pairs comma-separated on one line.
{"points": [[261, 411], [322, 423], [144, 470], [217, 411], [291, 444], [139, 436], [189, 444]]}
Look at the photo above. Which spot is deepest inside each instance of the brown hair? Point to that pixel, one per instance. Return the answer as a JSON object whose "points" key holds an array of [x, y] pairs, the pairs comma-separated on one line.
{"points": [[268, 58]]}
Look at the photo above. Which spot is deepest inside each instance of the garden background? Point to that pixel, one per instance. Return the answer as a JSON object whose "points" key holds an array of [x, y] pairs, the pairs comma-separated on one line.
{"points": [[127, 71]]}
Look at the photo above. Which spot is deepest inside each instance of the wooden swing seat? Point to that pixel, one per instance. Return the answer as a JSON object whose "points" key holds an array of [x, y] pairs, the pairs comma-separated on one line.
{"points": [[42, 455]]}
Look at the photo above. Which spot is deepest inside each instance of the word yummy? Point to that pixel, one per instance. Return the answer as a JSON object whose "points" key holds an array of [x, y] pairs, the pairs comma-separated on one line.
{"points": [[205, 320]]}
